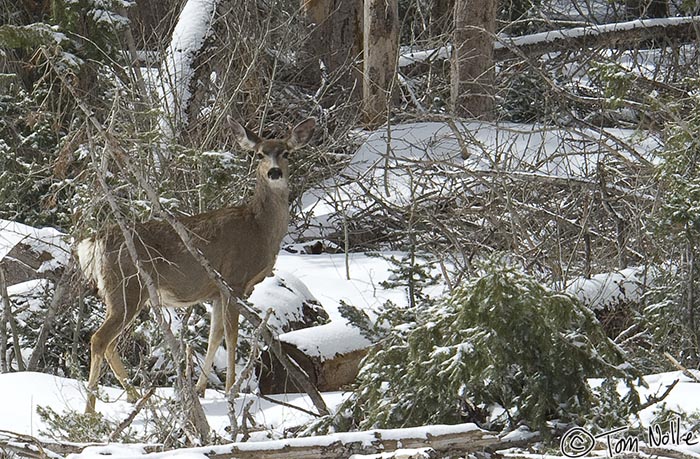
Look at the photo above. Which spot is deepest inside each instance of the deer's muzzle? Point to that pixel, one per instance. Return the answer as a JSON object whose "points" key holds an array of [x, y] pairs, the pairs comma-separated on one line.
{"points": [[275, 173]]}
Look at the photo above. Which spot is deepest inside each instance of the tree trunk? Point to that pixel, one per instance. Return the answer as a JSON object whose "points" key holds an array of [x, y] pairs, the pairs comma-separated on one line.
{"points": [[381, 33], [472, 72], [346, 43], [5, 303], [335, 39], [182, 67], [646, 8], [440, 17], [317, 14]]}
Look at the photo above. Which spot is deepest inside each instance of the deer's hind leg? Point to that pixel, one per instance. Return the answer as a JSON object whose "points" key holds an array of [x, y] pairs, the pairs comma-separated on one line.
{"points": [[104, 341], [230, 320], [216, 335]]}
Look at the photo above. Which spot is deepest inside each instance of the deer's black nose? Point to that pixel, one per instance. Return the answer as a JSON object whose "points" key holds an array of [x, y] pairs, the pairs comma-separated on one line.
{"points": [[275, 173]]}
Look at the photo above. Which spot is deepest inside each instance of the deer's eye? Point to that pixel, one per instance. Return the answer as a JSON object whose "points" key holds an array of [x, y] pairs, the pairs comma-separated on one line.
{"points": [[285, 155], [259, 155]]}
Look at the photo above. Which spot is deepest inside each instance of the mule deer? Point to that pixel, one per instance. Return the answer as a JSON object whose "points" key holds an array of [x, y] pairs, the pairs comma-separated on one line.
{"points": [[240, 242]]}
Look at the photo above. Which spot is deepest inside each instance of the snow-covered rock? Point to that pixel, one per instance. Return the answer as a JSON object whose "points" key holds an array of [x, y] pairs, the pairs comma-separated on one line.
{"points": [[31, 253], [293, 306]]}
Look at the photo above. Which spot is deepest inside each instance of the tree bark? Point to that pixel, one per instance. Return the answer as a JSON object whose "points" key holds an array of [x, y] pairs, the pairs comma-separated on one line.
{"points": [[381, 33], [317, 14], [472, 65], [5, 302], [440, 17], [336, 39], [346, 43]]}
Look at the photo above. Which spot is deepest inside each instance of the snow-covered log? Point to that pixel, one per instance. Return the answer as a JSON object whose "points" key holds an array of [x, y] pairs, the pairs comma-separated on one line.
{"points": [[608, 35], [293, 306], [414, 442], [462, 438], [607, 290], [330, 354], [618, 34]]}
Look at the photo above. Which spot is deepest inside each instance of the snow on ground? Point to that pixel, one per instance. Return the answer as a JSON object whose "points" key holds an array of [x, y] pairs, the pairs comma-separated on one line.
{"points": [[436, 159], [610, 289], [21, 393], [315, 276]]}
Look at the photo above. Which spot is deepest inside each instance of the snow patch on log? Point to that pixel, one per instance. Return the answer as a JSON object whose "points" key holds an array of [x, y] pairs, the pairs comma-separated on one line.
{"points": [[592, 30], [29, 253], [41, 239]]}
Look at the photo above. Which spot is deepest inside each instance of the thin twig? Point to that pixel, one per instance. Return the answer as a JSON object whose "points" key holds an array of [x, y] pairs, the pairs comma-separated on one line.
{"points": [[129, 419], [288, 405]]}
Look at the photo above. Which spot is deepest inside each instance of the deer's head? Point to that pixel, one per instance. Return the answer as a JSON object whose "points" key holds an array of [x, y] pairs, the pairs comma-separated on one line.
{"points": [[273, 154]]}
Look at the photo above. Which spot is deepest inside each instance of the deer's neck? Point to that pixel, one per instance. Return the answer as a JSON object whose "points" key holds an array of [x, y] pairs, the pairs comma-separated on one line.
{"points": [[271, 207]]}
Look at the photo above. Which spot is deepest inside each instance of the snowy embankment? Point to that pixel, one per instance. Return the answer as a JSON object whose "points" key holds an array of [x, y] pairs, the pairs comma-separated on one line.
{"points": [[396, 165]]}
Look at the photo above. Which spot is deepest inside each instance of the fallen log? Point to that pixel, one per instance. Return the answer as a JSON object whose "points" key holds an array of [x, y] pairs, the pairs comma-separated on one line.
{"points": [[615, 35], [413, 442], [620, 34], [458, 439]]}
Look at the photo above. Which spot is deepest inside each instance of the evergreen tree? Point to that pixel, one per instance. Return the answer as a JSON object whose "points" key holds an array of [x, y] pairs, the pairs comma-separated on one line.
{"points": [[503, 348]]}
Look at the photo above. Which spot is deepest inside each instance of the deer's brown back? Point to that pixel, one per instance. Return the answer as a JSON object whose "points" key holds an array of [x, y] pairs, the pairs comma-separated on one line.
{"points": [[233, 241]]}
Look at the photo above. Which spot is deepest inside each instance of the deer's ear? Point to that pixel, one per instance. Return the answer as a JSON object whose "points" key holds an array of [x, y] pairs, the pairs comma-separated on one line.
{"points": [[301, 134], [246, 138]]}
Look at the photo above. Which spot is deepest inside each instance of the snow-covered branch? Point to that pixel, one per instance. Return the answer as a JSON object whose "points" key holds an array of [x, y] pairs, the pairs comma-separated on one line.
{"points": [[193, 28]]}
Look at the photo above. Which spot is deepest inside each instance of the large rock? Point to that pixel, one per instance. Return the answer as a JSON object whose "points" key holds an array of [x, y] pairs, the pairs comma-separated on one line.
{"points": [[293, 306]]}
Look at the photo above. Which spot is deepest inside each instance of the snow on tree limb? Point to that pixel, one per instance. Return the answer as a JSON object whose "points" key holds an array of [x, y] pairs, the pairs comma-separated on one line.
{"points": [[177, 71]]}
